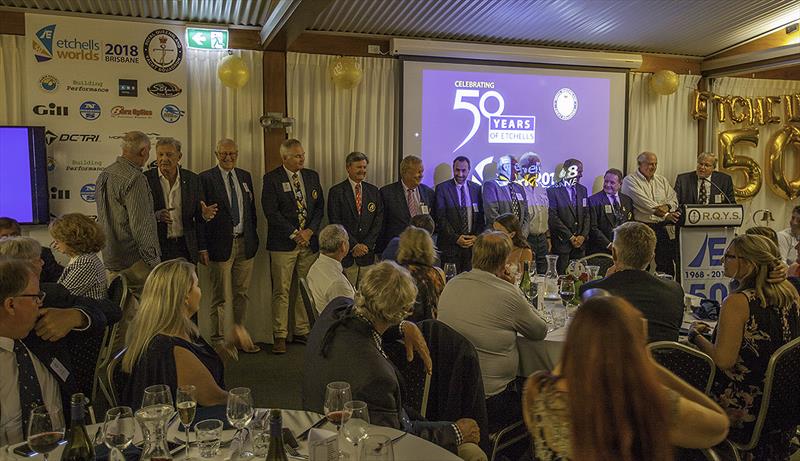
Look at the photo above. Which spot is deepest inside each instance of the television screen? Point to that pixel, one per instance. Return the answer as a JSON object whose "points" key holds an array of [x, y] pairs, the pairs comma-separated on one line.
{"points": [[23, 174]]}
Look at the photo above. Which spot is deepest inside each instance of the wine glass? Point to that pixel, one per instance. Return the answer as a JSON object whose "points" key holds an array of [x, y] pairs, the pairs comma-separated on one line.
{"points": [[45, 429], [186, 404], [337, 394], [240, 412], [157, 394], [450, 271], [118, 431], [377, 448], [566, 289], [356, 422]]}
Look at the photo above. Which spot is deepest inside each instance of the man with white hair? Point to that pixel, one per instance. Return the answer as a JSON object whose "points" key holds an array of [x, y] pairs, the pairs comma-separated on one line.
{"points": [[325, 278], [655, 204], [704, 186], [294, 205], [125, 211]]}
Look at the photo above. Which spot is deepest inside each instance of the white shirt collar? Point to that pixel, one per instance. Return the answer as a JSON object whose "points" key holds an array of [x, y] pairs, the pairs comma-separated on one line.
{"points": [[224, 172], [6, 344], [353, 183], [642, 177], [328, 260], [177, 177], [406, 188], [289, 173]]}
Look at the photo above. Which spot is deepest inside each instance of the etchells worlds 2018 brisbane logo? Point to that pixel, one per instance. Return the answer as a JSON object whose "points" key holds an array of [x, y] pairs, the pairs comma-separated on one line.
{"points": [[43, 43], [47, 47]]}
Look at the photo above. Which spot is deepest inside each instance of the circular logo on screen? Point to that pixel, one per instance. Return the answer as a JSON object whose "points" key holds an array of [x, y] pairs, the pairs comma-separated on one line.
{"points": [[565, 104], [171, 113], [48, 83], [163, 50], [87, 193], [90, 110]]}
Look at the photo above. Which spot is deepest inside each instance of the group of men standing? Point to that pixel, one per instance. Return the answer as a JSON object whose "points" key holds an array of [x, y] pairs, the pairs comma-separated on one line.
{"points": [[210, 218]]}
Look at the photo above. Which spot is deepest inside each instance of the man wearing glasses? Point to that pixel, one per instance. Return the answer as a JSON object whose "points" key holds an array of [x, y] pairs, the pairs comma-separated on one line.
{"points": [[231, 240]]}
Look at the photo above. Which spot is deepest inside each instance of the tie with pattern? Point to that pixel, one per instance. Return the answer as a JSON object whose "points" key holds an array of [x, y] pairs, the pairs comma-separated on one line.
{"points": [[413, 205], [235, 218], [462, 209], [514, 202], [30, 392], [301, 203], [615, 205], [358, 198], [703, 193]]}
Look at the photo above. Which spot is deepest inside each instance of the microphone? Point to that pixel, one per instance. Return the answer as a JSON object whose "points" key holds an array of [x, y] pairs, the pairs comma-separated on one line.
{"points": [[730, 202]]}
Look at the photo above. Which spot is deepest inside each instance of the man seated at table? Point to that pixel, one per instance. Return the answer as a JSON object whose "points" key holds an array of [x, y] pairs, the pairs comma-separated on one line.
{"points": [[346, 345], [660, 301], [326, 280], [487, 308]]}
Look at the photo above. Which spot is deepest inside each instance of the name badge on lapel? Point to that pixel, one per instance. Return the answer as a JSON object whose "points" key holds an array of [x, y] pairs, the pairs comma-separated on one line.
{"points": [[286, 187], [314, 194], [608, 209], [474, 207], [519, 196], [583, 202], [371, 207], [246, 188], [424, 209], [59, 369]]}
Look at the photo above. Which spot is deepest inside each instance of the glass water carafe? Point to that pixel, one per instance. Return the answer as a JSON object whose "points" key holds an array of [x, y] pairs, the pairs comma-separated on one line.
{"points": [[153, 420], [551, 278]]}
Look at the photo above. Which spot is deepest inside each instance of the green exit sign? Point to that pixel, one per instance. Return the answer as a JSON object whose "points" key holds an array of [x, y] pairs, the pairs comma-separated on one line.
{"points": [[207, 39]]}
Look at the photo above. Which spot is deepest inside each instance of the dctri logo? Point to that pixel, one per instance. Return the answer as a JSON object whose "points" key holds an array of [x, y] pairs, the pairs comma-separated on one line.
{"points": [[46, 47], [51, 137]]}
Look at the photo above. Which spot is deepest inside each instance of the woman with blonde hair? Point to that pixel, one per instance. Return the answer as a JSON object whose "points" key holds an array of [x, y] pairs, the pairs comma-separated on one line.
{"points": [[164, 345], [417, 254], [755, 320], [80, 237], [608, 400]]}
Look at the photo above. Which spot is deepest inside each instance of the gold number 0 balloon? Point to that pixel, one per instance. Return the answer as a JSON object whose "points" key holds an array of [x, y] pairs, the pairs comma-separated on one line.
{"points": [[776, 164], [730, 161]]}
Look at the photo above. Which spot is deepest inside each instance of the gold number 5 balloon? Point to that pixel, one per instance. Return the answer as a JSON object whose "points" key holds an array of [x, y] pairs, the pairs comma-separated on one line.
{"points": [[777, 164], [730, 161]]}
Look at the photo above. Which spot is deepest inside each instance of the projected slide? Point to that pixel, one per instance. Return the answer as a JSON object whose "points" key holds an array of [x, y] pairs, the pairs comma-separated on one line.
{"points": [[510, 111]]}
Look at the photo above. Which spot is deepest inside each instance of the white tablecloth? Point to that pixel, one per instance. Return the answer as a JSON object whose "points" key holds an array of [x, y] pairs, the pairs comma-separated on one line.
{"points": [[408, 448]]}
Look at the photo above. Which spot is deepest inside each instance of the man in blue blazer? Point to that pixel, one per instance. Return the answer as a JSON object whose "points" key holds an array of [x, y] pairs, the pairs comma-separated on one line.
{"points": [[568, 218], [231, 237], [704, 186], [294, 205], [608, 209], [404, 199], [179, 210], [357, 205], [459, 216]]}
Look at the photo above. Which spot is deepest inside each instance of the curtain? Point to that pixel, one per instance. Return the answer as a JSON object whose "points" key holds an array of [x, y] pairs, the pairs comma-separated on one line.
{"points": [[331, 122], [217, 112], [13, 94], [662, 124], [766, 199]]}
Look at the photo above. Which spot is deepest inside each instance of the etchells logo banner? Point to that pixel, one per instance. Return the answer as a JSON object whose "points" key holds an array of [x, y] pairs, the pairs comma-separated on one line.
{"points": [[90, 81]]}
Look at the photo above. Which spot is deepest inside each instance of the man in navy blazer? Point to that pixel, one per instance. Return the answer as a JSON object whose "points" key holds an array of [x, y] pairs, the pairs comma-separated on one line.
{"points": [[179, 210], [357, 206], [502, 195], [608, 208], [401, 197], [459, 216], [293, 204], [568, 216], [704, 185], [231, 237]]}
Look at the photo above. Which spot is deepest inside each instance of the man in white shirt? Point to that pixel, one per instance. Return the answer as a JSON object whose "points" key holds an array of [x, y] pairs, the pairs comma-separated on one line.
{"points": [[538, 208], [790, 237], [655, 204], [325, 278]]}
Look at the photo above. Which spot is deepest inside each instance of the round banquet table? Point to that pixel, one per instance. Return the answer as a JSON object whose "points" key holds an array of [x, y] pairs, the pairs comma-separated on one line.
{"points": [[546, 353], [407, 448]]}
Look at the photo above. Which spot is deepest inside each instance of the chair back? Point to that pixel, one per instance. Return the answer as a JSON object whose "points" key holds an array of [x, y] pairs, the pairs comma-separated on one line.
{"points": [[602, 260], [112, 339], [780, 404], [308, 302], [415, 381], [691, 365], [111, 371]]}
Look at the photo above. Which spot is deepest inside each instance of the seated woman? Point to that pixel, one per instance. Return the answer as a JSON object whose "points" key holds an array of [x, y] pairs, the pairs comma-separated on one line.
{"points": [[346, 345], [755, 320], [508, 223], [80, 237], [164, 345], [608, 399], [416, 253]]}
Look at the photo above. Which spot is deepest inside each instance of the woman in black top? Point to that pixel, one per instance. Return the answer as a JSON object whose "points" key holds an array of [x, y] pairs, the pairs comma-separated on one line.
{"points": [[164, 345]]}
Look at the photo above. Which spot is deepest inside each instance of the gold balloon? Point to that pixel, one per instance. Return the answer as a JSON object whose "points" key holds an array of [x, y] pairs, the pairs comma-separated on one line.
{"points": [[664, 82], [730, 161], [791, 107], [233, 72], [345, 72], [768, 117], [700, 107], [747, 112], [776, 164], [758, 111], [719, 103]]}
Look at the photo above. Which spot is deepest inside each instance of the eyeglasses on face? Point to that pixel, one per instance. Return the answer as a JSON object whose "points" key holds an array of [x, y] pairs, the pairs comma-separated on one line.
{"points": [[39, 296], [227, 154]]}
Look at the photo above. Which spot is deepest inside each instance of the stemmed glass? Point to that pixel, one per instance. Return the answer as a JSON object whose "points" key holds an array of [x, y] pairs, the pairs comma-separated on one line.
{"points": [[356, 420], [377, 448], [45, 429], [186, 403], [157, 394], [566, 289], [337, 394], [240, 412], [118, 431], [450, 271]]}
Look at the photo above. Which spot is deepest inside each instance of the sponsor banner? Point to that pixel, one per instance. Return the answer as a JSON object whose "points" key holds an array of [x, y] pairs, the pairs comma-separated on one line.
{"points": [[92, 80], [702, 255]]}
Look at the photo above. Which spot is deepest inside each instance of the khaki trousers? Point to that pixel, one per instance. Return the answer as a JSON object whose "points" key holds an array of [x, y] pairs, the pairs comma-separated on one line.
{"points": [[287, 268], [355, 273], [230, 281], [135, 276]]}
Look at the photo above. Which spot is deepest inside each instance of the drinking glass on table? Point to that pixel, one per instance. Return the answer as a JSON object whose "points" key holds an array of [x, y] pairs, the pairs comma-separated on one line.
{"points": [[355, 422], [208, 433], [377, 447], [450, 271], [158, 394], [186, 403], [240, 413], [566, 289], [45, 429], [337, 393], [118, 431]]}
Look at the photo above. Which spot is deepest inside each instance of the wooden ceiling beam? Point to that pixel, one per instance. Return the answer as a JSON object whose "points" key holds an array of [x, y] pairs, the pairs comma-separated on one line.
{"points": [[289, 19]]}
